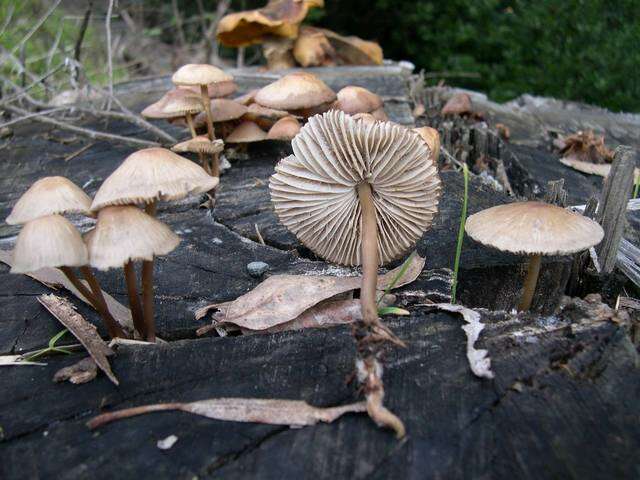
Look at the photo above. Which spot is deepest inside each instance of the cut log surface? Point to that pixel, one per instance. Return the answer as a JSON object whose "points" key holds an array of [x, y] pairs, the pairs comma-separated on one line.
{"points": [[563, 403]]}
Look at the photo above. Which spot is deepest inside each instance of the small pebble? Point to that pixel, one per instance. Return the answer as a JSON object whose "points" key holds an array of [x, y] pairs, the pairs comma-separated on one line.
{"points": [[217, 241], [167, 443], [257, 269]]}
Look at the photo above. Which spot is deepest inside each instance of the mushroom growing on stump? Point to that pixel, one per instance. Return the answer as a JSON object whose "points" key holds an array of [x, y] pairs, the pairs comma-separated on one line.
{"points": [[145, 177], [432, 138], [353, 99], [300, 93], [284, 129], [125, 234], [359, 193], [181, 105], [224, 112], [52, 241], [246, 132], [533, 229], [200, 145]]}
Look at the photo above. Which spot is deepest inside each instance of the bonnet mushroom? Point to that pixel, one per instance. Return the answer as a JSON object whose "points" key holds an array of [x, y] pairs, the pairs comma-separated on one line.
{"points": [[358, 193], [284, 129], [353, 99], [202, 146], [247, 132], [123, 235], [298, 92], [52, 241], [145, 177], [533, 229]]}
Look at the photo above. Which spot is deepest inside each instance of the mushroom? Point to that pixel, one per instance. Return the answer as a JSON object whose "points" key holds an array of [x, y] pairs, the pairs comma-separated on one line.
{"points": [[123, 235], [47, 196], [312, 48], [278, 20], [364, 117], [380, 115], [194, 74], [298, 92], [214, 90], [52, 241], [533, 229], [247, 98], [352, 50], [223, 111], [352, 99], [246, 132], [284, 129], [145, 177], [358, 193], [458, 104], [264, 116], [432, 138], [200, 145]]}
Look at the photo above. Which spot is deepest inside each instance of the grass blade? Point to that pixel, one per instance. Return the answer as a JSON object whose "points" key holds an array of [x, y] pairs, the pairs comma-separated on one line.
{"points": [[463, 219]]}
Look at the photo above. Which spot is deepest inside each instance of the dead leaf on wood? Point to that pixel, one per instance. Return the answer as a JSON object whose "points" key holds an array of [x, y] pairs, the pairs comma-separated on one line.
{"points": [[282, 298], [80, 372], [8, 360], [479, 361], [87, 333], [294, 413], [326, 314], [54, 278], [600, 169], [584, 146]]}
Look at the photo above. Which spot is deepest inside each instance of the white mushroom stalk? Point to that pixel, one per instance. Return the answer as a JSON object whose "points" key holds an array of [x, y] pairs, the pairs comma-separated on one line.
{"points": [[359, 193]]}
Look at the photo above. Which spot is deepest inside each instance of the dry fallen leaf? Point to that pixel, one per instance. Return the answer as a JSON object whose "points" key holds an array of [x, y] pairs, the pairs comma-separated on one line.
{"points": [[87, 333], [80, 372], [282, 298], [479, 362], [584, 146], [54, 278], [294, 413]]}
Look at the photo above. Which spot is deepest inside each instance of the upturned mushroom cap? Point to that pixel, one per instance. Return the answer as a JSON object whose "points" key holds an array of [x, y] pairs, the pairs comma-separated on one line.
{"points": [[127, 233], [284, 129], [533, 228], [279, 18], [199, 144], [246, 132], [295, 91], [199, 74], [152, 174], [222, 110], [48, 196], [314, 191], [50, 241], [431, 138], [353, 99]]}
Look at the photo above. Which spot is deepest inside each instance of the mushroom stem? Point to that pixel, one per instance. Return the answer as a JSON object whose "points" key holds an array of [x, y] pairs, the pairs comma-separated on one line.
{"points": [[192, 128], [214, 168], [370, 333], [530, 283], [134, 300], [113, 328], [147, 287]]}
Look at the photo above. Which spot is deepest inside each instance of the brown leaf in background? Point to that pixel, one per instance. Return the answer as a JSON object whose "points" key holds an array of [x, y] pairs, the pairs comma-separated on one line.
{"points": [[295, 413], [54, 278], [87, 333], [80, 372], [282, 298], [586, 147]]}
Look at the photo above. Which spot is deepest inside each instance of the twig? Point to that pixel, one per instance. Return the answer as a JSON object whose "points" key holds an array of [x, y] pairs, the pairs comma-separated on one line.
{"points": [[77, 49], [35, 28], [35, 83], [79, 152], [17, 63], [94, 134], [54, 48], [109, 53], [7, 20], [31, 115]]}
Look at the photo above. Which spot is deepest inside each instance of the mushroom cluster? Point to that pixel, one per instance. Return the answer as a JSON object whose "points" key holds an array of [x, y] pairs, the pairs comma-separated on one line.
{"points": [[286, 43], [359, 193]]}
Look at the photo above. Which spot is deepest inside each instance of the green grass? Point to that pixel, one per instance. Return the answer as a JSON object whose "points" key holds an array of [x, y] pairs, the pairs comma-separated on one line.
{"points": [[50, 349], [463, 219]]}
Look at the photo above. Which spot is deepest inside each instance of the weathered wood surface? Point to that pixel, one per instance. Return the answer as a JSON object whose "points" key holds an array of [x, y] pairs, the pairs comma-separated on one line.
{"points": [[563, 404]]}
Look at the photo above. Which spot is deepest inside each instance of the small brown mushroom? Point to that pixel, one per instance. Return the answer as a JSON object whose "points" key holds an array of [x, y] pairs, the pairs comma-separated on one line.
{"points": [[284, 129], [353, 99], [458, 104], [52, 241], [313, 49], [358, 193], [533, 229], [247, 98], [246, 132], [299, 93], [202, 146], [432, 138]]}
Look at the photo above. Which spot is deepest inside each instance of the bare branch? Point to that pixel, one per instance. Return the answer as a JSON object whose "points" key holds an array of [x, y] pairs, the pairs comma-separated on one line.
{"points": [[7, 20], [109, 53], [31, 115], [35, 28]]}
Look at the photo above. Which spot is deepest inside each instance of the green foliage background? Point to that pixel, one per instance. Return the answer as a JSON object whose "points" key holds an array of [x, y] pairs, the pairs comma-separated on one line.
{"points": [[587, 50]]}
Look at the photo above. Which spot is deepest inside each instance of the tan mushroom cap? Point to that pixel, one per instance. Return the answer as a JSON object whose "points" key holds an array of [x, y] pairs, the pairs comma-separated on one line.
{"points": [[48, 196], [431, 138], [199, 144], [222, 110], [533, 228], [354, 50], [284, 129], [179, 105], [314, 191], [156, 109], [353, 99], [126, 233], [364, 117], [50, 241], [312, 48], [199, 74], [152, 174], [214, 90], [279, 18], [246, 132], [380, 115], [458, 104], [247, 98], [295, 91]]}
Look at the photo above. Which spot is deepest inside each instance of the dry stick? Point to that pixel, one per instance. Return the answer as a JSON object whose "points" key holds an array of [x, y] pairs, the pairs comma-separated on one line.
{"points": [[96, 135], [134, 300], [530, 283], [368, 341], [147, 287], [112, 326], [130, 412]]}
